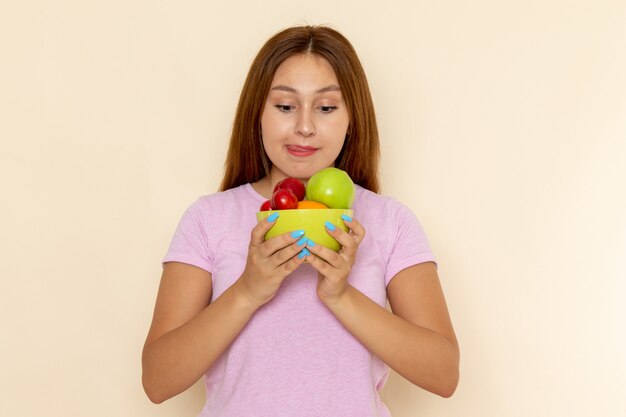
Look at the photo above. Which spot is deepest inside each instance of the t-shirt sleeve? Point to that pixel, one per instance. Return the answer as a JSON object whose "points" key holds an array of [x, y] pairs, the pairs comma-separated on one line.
{"points": [[190, 242], [410, 245]]}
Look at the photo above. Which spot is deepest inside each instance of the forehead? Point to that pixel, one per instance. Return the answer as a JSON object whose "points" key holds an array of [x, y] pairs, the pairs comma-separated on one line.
{"points": [[305, 70]]}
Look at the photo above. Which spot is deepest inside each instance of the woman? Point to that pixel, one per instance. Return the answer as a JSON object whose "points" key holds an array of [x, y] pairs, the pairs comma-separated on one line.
{"points": [[286, 327]]}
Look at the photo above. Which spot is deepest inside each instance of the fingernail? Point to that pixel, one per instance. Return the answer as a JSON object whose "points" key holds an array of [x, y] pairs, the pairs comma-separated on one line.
{"points": [[303, 253], [301, 241], [310, 243], [297, 233], [330, 226], [272, 217], [346, 217]]}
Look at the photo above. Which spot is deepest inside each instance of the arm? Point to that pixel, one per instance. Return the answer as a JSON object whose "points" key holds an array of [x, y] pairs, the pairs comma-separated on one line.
{"points": [[416, 340], [189, 333]]}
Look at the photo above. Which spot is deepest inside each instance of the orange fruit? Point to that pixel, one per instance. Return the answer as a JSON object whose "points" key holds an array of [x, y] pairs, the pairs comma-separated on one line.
{"points": [[308, 204]]}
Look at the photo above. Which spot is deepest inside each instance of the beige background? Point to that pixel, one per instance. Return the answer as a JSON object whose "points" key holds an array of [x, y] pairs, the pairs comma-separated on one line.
{"points": [[503, 127]]}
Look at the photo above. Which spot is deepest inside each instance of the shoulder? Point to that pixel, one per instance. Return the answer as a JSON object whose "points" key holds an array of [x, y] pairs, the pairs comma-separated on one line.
{"points": [[394, 229], [229, 202], [388, 220], [212, 213], [212, 217], [368, 204]]}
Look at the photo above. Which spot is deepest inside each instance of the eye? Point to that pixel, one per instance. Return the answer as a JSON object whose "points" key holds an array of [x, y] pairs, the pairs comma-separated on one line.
{"points": [[327, 109], [285, 108]]}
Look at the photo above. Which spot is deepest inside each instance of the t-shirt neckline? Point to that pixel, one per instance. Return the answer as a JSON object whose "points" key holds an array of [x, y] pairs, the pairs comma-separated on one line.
{"points": [[248, 186], [254, 193]]}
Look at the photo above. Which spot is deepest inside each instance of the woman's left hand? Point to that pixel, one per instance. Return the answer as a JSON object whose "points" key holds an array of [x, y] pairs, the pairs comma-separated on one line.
{"points": [[334, 267]]}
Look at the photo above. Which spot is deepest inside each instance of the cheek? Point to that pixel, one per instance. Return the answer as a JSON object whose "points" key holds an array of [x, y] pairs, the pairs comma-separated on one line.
{"points": [[273, 126], [271, 135], [336, 140], [268, 119], [339, 129], [264, 122], [342, 123]]}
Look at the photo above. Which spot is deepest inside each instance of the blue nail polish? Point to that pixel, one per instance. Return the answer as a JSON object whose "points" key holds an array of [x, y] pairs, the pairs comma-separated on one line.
{"points": [[310, 243], [346, 217], [272, 217], [329, 226], [297, 233], [306, 252], [302, 253], [302, 241]]}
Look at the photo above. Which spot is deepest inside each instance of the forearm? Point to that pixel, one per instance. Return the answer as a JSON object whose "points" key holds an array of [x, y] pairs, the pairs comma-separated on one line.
{"points": [[176, 360], [425, 358]]}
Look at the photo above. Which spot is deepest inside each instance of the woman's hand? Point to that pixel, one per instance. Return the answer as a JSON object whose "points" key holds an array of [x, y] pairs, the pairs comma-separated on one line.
{"points": [[334, 267], [269, 262]]}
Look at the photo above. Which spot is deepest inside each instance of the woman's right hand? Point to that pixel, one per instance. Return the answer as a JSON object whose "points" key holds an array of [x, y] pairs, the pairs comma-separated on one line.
{"points": [[270, 261]]}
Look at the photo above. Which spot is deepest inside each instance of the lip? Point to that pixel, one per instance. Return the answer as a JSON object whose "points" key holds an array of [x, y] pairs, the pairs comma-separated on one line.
{"points": [[297, 150]]}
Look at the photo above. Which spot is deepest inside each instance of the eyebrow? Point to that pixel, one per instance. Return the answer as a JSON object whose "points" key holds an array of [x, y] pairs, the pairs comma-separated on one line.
{"points": [[288, 89]]}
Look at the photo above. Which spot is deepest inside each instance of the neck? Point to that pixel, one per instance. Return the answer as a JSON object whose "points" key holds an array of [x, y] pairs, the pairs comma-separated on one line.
{"points": [[263, 187]]}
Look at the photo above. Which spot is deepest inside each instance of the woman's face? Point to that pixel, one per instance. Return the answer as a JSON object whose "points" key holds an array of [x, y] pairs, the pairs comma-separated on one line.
{"points": [[305, 119]]}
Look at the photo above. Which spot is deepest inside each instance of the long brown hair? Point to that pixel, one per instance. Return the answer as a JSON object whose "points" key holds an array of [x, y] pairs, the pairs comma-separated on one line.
{"points": [[247, 161]]}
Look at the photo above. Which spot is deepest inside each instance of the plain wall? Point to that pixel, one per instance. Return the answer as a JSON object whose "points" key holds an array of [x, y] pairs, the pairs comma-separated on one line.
{"points": [[503, 126]]}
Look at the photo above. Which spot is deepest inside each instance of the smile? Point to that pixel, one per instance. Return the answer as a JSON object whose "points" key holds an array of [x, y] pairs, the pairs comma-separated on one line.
{"points": [[297, 150]]}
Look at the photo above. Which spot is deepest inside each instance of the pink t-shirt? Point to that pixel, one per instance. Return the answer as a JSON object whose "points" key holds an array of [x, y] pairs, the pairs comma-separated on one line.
{"points": [[294, 358]]}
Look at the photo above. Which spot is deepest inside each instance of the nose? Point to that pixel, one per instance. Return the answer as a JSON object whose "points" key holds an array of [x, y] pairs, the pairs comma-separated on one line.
{"points": [[305, 126]]}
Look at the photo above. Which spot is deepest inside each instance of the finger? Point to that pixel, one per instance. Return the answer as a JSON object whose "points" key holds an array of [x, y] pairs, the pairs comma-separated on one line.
{"points": [[293, 263], [285, 254], [356, 229], [280, 242], [257, 236], [347, 242], [319, 264], [328, 255]]}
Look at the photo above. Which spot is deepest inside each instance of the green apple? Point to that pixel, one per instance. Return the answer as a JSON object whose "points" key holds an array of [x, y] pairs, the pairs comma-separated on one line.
{"points": [[332, 187]]}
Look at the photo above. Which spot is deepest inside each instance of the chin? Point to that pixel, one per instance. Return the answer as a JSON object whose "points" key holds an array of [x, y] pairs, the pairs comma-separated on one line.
{"points": [[303, 170], [301, 173]]}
